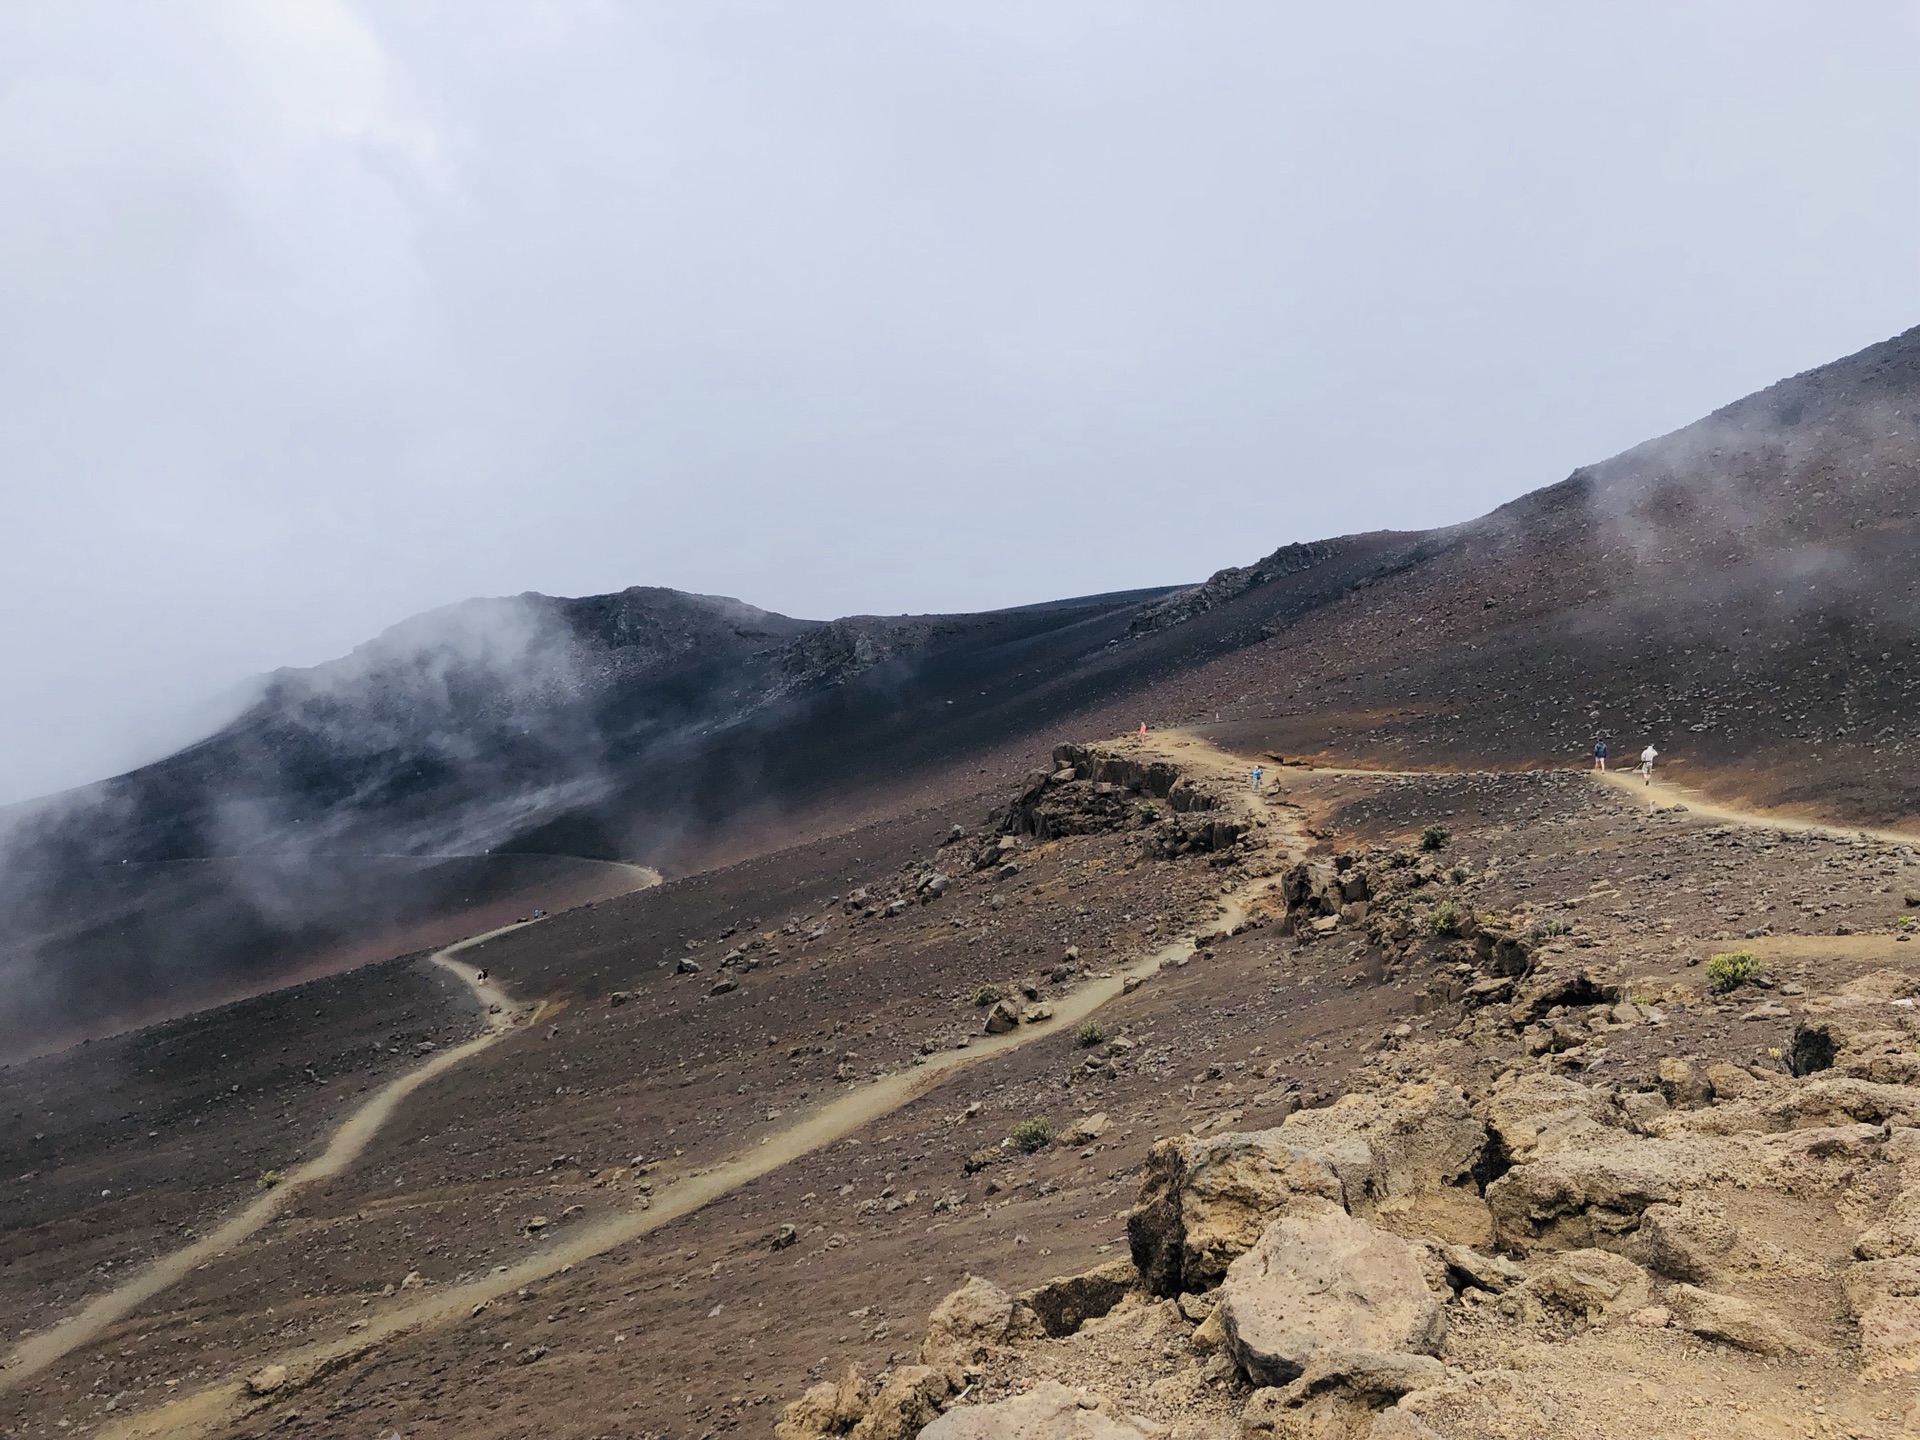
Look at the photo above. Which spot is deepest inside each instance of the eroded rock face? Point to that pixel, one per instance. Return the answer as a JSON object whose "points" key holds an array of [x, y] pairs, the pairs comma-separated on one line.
{"points": [[1048, 1412], [1322, 1281], [1064, 1303], [1205, 1201], [1579, 1199]]}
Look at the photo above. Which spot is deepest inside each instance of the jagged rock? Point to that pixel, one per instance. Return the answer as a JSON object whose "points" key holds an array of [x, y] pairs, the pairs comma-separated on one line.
{"points": [[907, 1401], [1577, 1199], [1087, 1129], [1064, 1302], [1686, 1241], [1897, 1232], [1418, 1139], [1050, 1411], [829, 1408], [1205, 1201], [1884, 1296], [267, 1379], [1740, 1323], [971, 1320], [1002, 1018], [1682, 1084], [1465, 1267], [1323, 1280], [1590, 1283], [1373, 1377], [1570, 985], [1399, 1424], [1537, 1114]]}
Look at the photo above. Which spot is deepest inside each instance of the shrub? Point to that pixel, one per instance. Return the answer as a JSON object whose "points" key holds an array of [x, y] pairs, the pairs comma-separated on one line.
{"points": [[1032, 1134], [268, 1179], [1435, 837], [986, 995], [1088, 1035], [1445, 919], [1731, 970]]}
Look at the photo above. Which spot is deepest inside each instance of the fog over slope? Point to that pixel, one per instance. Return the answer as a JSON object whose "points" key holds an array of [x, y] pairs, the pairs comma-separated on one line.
{"points": [[1739, 592]]}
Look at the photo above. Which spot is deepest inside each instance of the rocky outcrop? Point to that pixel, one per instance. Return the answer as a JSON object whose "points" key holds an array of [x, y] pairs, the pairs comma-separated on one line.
{"points": [[1225, 585], [1323, 1283], [1091, 790], [1417, 1139], [1204, 1202]]}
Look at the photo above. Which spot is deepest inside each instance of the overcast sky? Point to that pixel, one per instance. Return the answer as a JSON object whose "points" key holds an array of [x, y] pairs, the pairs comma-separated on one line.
{"points": [[315, 314]]}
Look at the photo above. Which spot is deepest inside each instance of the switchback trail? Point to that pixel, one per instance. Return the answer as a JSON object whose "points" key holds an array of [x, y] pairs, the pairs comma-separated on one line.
{"points": [[501, 1015], [207, 1411]]}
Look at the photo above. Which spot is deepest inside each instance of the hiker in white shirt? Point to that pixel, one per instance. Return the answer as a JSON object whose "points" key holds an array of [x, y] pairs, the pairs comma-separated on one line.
{"points": [[1647, 757]]}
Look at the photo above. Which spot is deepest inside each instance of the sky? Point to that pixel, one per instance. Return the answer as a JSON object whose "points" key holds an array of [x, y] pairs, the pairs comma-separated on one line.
{"points": [[316, 314]]}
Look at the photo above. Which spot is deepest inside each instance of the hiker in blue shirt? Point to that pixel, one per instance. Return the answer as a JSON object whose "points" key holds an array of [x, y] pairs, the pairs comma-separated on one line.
{"points": [[1600, 756]]}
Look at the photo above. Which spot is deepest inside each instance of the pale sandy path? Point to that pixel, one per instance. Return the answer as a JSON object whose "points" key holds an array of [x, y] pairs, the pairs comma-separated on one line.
{"points": [[207, 1411], [1662, 792], [36, 1352]]}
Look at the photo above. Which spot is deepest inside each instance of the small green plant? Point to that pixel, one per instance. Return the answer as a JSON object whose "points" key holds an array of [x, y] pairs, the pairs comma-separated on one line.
{"points": [[1459, 875], [1549, 929], [1446, 919], [268, 1179], [1088, 1035], [1435, 837], [1731, 970], [1035, 1133], [986, 995]]}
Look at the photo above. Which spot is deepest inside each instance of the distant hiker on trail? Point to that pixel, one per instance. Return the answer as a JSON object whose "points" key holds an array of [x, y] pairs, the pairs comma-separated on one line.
{"points": [[1647, 757], [1143, 727], [1600, 756], [1257, 773]]}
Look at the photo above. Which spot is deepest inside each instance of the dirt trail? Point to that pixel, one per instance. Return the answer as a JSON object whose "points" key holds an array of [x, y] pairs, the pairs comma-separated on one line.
{"points": [[207, 1411], [38, 1351], [1662, 792]]}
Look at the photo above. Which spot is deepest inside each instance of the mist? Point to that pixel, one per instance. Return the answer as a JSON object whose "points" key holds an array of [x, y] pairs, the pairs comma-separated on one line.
{"points": [[321, 314]]}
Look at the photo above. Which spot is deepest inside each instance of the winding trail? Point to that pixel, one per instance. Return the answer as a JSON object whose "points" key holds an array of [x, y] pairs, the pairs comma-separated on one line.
{"points": [[209, 1410], [36, 1352]]}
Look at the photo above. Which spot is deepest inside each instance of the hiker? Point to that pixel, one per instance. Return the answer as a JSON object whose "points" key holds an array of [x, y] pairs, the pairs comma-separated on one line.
{"points": [[1647, 757], [1257, 772], [1600, 756], [1143, 729]]}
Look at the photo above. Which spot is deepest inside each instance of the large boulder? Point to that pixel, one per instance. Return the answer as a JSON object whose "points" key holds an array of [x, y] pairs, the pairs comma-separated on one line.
{"points": [[1321, 1280], [1204, 1201], [1049, 1412], [971, 1321], [1414, 1140], [1740, 1323]]}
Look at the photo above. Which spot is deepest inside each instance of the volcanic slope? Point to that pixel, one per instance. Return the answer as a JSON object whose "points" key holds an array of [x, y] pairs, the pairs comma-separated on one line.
{"points": [[1597, 913], [1738, 593]]}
